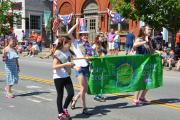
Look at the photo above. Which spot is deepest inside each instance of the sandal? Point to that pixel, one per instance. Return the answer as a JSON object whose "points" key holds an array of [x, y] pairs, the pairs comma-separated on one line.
{"points": [[85, 112], [136, 102], [73, 104], [8, 94], [144, 100]]}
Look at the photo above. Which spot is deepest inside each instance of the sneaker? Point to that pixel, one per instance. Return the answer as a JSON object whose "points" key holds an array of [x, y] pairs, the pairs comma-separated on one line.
{"points": [[67, 113], [97, 98], [62, 116], [102, 99]]}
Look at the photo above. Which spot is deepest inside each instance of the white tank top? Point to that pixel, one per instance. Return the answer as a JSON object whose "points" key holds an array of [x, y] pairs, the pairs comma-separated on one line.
{"points": [[79, 54], [64, 58]]}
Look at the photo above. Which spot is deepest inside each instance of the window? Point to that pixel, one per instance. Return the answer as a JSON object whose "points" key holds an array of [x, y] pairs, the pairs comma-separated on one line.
{"points": [[18, 22], [125, 26], [35, 22], [17, 5], [92, 24], [27, 23]]}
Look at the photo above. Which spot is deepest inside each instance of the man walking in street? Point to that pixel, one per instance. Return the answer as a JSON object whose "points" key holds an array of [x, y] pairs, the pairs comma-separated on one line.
{"points": [[129, 42]]}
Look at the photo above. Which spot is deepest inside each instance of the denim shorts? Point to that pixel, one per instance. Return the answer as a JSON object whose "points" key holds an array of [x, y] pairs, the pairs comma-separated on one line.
{"points": [[116, 45], [83, 71]]}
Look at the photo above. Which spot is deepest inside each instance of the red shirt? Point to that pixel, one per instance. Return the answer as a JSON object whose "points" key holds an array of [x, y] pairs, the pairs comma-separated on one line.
{"points": [[178, 37], [39, 38]]}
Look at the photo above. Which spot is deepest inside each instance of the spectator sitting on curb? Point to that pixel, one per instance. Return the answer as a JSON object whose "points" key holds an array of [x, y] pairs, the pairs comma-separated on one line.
{"points": [[164, 55], [170, 59], [29, 47], [20, 48], [51, 51], [35, 49], [178, 65]]}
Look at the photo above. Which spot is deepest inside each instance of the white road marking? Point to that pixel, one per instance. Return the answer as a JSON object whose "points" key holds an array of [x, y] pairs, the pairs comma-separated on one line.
{"points": [[33, 87], [171, 77], [43, 98], [20, 91], [53, 90], [33, 100], [36, 62], [11, 106]]}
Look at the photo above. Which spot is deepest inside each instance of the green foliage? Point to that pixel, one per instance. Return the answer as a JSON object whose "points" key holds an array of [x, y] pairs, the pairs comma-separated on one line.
{"points": [[7, 17], [156, 13]]}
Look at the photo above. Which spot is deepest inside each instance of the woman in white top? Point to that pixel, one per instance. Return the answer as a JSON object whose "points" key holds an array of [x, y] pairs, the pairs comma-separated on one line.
{"points": [[61, 75], [81, 66]]}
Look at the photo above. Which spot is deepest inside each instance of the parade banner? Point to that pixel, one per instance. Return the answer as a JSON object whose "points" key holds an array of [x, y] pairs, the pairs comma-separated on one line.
{"points": [[47, 15], [125, 73]]}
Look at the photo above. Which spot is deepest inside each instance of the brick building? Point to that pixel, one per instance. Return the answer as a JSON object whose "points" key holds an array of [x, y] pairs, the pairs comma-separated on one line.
{"points": [[95, 13]]}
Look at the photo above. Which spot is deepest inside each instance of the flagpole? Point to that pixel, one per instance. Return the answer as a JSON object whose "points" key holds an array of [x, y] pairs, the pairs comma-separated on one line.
{"points": [[58, 8], [52, 37]]}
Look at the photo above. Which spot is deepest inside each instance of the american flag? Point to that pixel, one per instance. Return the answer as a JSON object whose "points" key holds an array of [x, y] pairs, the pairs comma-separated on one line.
{"points": [[56, 21], [115, 17], [66, 19], [56, 25], [55, 7]]}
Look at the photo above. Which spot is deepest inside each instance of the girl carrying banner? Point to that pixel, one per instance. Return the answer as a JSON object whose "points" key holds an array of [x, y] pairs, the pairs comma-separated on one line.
{"points": [[99, 51], [61, 75], [82, 49], [143, 46]]}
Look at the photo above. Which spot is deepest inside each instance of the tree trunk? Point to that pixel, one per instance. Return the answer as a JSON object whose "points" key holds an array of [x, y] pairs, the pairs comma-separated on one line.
{"points": [[173, 40]]}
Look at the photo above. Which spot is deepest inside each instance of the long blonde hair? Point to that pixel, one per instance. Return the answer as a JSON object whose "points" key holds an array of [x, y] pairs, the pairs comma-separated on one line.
{"points": [[99, 46], [62, 40]]}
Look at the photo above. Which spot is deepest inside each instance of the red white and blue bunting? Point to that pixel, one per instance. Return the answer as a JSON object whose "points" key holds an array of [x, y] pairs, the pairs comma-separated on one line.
{"points": [[115, 17], [66, 19]]}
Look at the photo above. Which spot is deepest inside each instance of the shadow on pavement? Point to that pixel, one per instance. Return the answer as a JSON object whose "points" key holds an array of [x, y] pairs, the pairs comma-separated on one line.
{"points": [[117, 97], [2, 80], [101, 110], [31, 94], [166, 100], [154, 102]]}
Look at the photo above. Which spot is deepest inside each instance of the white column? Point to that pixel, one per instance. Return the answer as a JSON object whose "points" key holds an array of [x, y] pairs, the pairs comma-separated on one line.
{"points": [[23, 15], [119, 26], [165, 34]]}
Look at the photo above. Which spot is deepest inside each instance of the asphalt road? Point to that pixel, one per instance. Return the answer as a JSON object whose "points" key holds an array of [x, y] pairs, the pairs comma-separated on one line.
{"points": [[37, 100]]}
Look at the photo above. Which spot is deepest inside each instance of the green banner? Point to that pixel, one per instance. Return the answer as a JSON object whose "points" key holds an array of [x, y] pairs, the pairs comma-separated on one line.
{"points": [[125, 73], [47, 15]]}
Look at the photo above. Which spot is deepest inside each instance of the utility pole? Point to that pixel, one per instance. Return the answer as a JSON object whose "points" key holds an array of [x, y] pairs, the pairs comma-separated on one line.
{"points": [[52, 35]]}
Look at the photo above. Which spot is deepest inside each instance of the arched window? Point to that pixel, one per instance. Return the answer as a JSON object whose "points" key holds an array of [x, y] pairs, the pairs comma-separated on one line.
{"points": [[90, 13]]}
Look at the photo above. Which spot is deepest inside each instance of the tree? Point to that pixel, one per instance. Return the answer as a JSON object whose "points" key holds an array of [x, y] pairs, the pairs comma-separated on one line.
{"points": [[7, 16], [156, 13]]}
